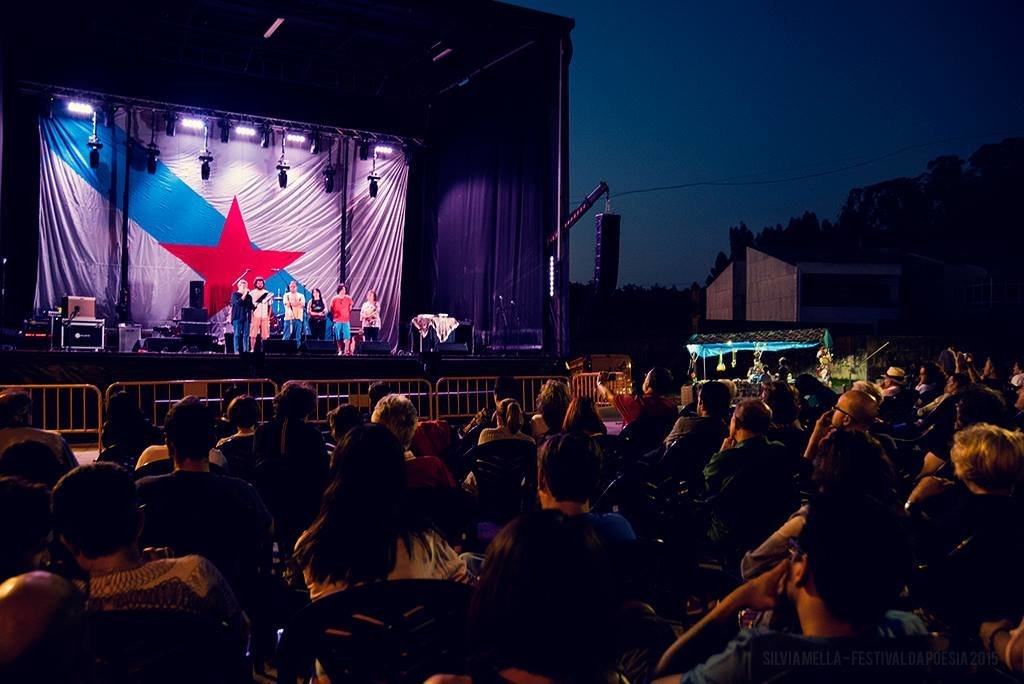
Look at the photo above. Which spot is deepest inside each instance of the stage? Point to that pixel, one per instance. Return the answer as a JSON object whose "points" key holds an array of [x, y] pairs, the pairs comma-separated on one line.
{"points": [[104, 368]]}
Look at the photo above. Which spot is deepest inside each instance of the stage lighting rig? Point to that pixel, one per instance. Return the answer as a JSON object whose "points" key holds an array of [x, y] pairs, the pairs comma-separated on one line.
{"points": [[94, 145], [364, 150], [205, 157], [169, 119], [373, 178], [329, 172], [282, 167], [314, 142], [225, 130], [152, 151], [266, 136]]}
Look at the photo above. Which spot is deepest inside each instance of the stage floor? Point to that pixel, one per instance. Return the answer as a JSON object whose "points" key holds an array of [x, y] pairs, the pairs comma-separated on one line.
{"points": [[24, 367]]}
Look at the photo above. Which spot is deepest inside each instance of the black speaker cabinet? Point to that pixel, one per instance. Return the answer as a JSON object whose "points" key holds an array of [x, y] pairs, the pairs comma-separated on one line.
{"points": [[162, 344], [606, 252], [319, 347], [279, 346], [194, 314], [452, 348], [375, 348], [196, 291]]}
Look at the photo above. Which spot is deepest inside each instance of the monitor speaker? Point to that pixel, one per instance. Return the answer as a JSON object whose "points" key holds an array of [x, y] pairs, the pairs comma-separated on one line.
{"points": [[162, 344], [375, 348], [606, 252], [196, 290], [452, 348], [279, 346], [319, 347], [195, 314]]}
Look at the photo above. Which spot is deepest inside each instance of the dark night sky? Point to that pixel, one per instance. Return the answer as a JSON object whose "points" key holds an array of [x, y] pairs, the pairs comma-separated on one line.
{"points": [[670, 92]]}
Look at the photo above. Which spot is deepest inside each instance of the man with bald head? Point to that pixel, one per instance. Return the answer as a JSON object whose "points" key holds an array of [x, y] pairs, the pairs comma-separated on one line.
{"points": [[750, 483], [855, 410], [42, 630]]}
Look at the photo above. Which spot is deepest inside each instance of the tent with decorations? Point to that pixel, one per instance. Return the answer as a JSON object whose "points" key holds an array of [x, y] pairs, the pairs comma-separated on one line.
{"points": [[704, 345]]}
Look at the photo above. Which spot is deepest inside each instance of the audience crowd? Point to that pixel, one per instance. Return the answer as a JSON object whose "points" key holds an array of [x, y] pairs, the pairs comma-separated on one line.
{"points": [[805, 523]]}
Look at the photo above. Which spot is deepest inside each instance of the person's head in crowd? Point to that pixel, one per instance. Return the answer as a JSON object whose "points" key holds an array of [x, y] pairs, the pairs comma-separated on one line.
{"points": [[227, 396], [783, 363], [505, 387], [376, 392], [894, 379], [568, 472], [808, 385], [993, 369], [659, 382], [25, 510], [544, 604], [752, 418], [96, 516], [509, 415], [853, 462], [553, 403], [42, 630], [713, 399], [32, 461], [122, 411], [957, 383], [258, 283], [731, 386], [784, 401], [849, 564], [15, 408], [294, 402], [243, 413], [855, 410], [189, 429], [342, 289], [361, 515], [930, 374], [873, 389], [315, 295], [398, 414], [979, 404], [988, 459], [342, 419], [582, 416]]}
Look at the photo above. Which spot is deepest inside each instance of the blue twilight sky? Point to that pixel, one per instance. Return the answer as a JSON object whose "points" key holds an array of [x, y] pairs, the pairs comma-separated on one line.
{"points": [[666, 92]]}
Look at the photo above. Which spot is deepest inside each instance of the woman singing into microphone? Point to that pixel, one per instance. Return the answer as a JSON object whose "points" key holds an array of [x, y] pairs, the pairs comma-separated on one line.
{"points": [[369, 316]]}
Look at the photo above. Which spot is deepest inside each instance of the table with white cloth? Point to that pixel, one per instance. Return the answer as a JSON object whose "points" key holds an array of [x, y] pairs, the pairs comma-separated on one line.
{"points": [[431, 330]]}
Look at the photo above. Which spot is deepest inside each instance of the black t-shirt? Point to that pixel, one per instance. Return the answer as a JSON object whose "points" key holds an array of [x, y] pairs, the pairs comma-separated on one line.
{"points": [[219, 517]]}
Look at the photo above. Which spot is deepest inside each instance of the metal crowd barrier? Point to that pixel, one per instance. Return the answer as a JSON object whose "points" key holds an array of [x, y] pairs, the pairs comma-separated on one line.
{"points": [[464, 397], [585, 385], [68, 409], [155, 397], [333, 393]]}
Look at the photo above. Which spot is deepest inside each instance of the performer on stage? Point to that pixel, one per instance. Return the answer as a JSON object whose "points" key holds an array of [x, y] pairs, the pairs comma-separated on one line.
{"points": [[294, 313], [260, 325], [317, 310], [341, 311], [369, 316], [240, 315]]}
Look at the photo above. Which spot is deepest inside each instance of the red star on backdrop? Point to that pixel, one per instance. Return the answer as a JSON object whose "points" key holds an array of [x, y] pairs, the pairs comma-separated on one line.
{"points": [[219, 266]]}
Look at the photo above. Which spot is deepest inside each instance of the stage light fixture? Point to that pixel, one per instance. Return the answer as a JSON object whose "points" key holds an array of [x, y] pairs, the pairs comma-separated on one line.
{"points": [[383, 150], [193, 123], [266, 136], [76, 107], [205, 157], [169, 119], [282, 168], [364, 150], [247, 131], [225, 130], [329, 172], [152, 151], [314, 142], [373, 178], [295, 137], [94, 145]]}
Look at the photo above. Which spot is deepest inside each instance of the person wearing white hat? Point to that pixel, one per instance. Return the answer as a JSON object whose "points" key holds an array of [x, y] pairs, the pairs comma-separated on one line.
{"points": [[894, 381]]}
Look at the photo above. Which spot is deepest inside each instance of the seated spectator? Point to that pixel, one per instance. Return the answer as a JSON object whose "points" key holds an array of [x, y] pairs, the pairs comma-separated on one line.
{"points": [[693, 440], [504, 388], [399, 416], [992, 375], [568, 471], [873, 389], [784, 401], [782, 375], [42, 630], [850, 463], [223, 427], [96, 516], [976, 405], [969, 530], [750, 484], [126, 432], [656, 401], [931, 414], [25, 510], [342, 419], [16, 427], [552, 405], [544, 610], [31, 461], [857, 411], [1017, 374], [898, 400], [509, 423], [840, 595], [156, 460], [292, 466], [193, 511], [1001, 638], [364, 531], [239, 448], [815, 398], [931, 383], [582, 416]]}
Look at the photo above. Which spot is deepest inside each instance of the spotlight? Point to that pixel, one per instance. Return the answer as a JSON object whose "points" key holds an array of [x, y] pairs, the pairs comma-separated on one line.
{"points": [[373, 184], [152, 156], [169, 119], [205, 157], [329, 172], [314, 142], [94, 146], [266, 136], [383, 150], [364, 150], [282, 173], [225, 130], [295, 138], [193, 123], [247, 131], [80, 108]]}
